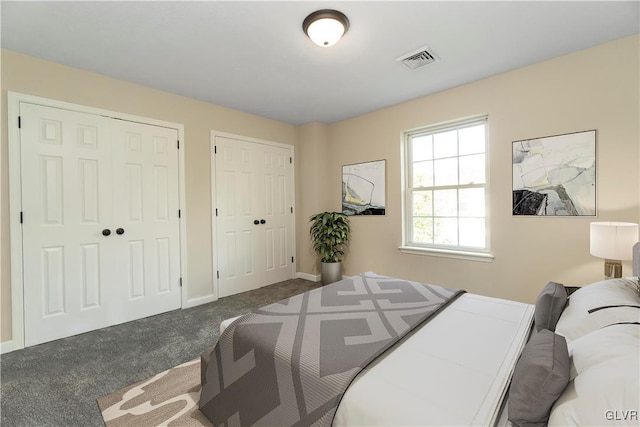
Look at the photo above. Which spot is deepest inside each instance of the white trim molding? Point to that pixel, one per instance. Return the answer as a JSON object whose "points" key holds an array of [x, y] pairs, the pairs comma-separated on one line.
{"points": [[193, 302], [445, 253], [307, 276], [7, 347]]}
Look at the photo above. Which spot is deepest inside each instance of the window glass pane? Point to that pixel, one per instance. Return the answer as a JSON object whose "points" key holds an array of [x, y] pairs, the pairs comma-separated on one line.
{"points": [[472, 232], [446, 172], [471, 202], [422, 148], [472, 169], [445, 144], [446, 188], [471, 140], [445, 231], [422, 174], [422, 230], [422, 203], [445, 203]]}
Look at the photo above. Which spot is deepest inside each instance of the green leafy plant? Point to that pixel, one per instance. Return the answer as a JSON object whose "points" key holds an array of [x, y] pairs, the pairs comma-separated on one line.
{"points": [[330, 232]]}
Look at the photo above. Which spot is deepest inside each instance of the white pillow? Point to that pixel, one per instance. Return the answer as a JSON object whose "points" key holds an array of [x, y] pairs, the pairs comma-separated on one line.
{"points": [[606, 388], [604, 346], [576, 321], [636, 282]]}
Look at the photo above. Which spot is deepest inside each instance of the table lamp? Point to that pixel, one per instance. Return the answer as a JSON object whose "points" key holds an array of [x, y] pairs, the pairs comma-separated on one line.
{"points": [[613, 241]]}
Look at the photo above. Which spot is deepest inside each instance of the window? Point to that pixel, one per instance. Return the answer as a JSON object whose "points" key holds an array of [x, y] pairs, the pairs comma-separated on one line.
{"points": [[445, 188]]}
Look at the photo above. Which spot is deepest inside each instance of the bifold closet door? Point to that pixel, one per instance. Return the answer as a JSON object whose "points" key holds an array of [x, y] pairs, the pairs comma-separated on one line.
{"points": [[254, 222], [66, 201], [145, 182], [277, 206], [100, 227]]}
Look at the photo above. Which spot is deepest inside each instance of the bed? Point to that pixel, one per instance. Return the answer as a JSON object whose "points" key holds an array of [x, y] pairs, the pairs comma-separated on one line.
{"points": [[570, 359]]}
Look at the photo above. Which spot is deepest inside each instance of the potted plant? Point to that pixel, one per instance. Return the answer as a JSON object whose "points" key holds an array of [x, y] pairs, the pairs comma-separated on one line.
{"points": [[330, 232]]}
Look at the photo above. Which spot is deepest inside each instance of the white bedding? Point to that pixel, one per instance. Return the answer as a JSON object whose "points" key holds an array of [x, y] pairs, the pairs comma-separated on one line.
{"points": [[454, 370]]}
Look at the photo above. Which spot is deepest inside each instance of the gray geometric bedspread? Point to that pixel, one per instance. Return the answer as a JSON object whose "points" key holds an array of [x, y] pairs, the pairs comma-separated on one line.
{"points": [[290, 362]]}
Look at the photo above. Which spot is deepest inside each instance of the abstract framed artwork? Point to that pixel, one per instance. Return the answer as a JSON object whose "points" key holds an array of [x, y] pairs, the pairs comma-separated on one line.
{"points": [[555, 175], [363, 188]]}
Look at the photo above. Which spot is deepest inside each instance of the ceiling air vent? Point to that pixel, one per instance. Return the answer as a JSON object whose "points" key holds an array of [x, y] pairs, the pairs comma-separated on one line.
{"points": [[417, 58]]}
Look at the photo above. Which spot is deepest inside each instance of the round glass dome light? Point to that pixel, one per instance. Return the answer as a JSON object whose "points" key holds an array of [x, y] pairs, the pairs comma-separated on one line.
{"points": [[325, 27]]}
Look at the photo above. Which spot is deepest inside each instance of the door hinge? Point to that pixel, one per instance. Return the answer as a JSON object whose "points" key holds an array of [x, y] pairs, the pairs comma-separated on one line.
{"points": [[21, 217], [291, 209], [291, 259], [179, 213], [290, 159], [19, 122], [218, 274], [181, 282], [215, 149], [216, 211], [178, 144]]}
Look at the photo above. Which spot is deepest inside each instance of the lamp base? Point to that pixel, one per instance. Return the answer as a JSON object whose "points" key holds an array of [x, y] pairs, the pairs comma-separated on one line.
{"points": [[612, 269]]}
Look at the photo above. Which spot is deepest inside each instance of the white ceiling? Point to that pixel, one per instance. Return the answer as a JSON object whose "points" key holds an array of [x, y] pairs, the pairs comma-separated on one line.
{"points": [[254, 57]]}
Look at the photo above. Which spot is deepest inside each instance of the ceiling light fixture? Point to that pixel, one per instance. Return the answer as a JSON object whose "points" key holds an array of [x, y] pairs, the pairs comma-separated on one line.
{"points": [[325, 27]]}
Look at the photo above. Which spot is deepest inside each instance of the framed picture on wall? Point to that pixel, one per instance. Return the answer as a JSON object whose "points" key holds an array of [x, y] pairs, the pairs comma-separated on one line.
{"points": [[555, 175], [363, 188]]}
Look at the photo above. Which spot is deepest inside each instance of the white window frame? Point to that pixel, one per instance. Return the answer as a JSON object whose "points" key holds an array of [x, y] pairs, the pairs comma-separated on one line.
{"points": [[460, 252]]}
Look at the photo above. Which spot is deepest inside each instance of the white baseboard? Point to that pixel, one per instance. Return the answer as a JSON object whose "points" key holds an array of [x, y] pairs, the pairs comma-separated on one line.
{"points": [[199, 301], [7, 347], [210, 298], [306, 276]]}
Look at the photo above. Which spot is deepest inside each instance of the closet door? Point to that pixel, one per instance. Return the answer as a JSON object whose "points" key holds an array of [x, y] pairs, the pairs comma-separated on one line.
{"points": [[101, 242], [277, 213], [66, 201], [238, 237], [146, 225], [254, 222]]}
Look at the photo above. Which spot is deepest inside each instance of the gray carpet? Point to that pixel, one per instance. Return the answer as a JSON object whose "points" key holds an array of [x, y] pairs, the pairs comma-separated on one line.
{"points": [[57, 383]]}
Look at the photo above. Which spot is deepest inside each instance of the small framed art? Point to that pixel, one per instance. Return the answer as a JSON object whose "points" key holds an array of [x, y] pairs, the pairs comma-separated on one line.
{"points": [[363, 188]]}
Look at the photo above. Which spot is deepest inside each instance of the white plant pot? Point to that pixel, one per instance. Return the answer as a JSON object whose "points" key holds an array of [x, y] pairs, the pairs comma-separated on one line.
{"points": [[331, 272]]}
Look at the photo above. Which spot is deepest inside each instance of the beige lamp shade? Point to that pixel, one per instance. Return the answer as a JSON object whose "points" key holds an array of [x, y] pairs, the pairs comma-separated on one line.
{"points": [[613, 240]]}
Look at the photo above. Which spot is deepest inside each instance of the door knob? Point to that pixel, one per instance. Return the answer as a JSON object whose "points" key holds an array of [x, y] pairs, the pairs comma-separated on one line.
{"points": [[106, 232], [262, 221], [120, 231], [256, 222]]}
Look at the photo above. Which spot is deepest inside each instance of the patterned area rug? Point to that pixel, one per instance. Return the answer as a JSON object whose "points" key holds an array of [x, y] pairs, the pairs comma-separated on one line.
{"points": [[169, 398]]}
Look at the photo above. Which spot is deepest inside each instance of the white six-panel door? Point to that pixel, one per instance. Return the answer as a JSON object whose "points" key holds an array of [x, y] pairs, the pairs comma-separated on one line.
{"points": [[145, 182], [66, 169], [84, 177], [274, 174], [254, 220]]}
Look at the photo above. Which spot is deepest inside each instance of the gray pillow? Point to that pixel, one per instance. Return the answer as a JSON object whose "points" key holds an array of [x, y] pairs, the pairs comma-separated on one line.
{"points": [[549, 306], [540, 376]]}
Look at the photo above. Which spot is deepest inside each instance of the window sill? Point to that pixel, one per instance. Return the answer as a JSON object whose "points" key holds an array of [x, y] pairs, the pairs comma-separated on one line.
{"points": [[445, 253]]}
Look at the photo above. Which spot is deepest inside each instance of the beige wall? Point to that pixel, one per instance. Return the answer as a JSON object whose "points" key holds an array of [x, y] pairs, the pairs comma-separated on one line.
{"points": [[592, 89], [313, 194], [36, 77]]}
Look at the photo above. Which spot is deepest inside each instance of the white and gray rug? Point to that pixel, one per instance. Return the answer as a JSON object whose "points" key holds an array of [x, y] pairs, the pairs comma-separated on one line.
{"points": [[169, 398]]}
